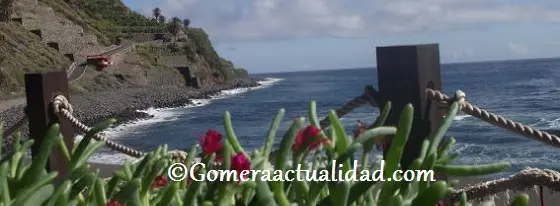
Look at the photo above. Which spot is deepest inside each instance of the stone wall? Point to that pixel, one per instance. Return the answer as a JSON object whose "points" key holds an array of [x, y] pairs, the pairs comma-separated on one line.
{"points": [[54, 45], [67, 37], [176, 61], [37, 32], [70, 56], [186, 68], [148, 37], [141, 37], [70, 37], [18, 20]]}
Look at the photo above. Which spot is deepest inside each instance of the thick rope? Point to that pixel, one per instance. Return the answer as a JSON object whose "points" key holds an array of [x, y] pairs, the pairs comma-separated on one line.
{"points": [[64, 109], [498, 120], [527, 178], [347, 108], [344, 110]]}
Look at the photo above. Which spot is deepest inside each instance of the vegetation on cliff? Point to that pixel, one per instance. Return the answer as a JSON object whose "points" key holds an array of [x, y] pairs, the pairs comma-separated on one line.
{"points": [[111, 22], [115, 20], [21, 52]]}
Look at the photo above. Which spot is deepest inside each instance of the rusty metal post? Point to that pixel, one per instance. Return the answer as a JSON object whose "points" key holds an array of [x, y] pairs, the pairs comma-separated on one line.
{"points": [[404, 73], [40, 89]]}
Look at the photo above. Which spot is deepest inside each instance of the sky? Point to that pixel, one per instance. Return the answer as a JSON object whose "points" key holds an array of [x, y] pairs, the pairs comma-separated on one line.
{"points": [[291, 35]]}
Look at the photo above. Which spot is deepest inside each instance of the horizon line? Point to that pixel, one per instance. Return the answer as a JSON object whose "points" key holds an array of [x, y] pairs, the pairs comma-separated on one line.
{"points": [[443, 63]]}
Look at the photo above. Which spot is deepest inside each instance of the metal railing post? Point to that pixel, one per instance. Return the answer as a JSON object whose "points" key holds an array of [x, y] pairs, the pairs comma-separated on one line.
{"points": [[404, 73]]}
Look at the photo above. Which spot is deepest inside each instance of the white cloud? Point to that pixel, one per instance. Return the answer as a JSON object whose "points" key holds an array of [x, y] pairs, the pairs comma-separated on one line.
{"points": [[259, 19]]}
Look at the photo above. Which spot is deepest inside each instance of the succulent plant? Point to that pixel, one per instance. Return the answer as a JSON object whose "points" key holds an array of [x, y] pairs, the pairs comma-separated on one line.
{"points": [[145, 182]]}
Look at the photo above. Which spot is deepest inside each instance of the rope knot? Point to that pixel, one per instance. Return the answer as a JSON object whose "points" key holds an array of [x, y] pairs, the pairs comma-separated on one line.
{"points": [[179, 155], [460, 97], [60, 102]]}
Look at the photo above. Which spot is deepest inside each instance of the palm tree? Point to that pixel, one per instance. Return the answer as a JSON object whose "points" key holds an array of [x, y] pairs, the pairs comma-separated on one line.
{"points": [[176, 20], [162, 19], [156, 12], [174, 26], [186, 23]]}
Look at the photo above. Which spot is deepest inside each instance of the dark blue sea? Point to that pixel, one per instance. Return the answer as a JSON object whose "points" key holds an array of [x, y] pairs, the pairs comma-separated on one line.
{"points": [[527, 91]]}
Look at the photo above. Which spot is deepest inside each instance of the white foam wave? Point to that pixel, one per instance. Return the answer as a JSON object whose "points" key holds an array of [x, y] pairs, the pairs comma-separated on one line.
{"points": [[198, 103], [482, 154], [461, 117], [267, 82], [553, 124], [158, 115], [164, 115], [545, 124], [229, 93], [111, 158]]}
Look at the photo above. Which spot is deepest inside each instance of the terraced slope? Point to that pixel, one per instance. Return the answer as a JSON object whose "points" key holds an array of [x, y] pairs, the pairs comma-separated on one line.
{"points": [[22, 52], [49, 35]]}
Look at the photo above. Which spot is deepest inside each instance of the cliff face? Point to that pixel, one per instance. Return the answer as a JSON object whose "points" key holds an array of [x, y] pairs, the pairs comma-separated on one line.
{"points": [[22, 52], [48, 35]]}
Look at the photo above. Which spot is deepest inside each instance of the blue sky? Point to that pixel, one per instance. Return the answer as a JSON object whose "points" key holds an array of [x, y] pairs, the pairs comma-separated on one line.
{"points": [[289, 35]]}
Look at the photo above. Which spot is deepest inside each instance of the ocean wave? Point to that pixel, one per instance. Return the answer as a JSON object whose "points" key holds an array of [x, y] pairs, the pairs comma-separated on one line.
{"points": [[546, 124], [472, 153], [165, 115], [539, 82], [267, 82], [461, 117], [109, 157]]}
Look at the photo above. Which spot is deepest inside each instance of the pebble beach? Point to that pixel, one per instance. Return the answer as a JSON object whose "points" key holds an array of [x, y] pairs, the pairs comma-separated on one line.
{"points": [[123, 105]]}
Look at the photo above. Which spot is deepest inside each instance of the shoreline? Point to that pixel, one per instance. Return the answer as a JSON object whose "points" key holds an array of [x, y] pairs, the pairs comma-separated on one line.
{"points": [[123, 104]]}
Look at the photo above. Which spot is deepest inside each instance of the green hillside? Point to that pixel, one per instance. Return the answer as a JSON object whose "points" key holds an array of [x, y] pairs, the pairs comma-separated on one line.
{"points": [[111, 22]]}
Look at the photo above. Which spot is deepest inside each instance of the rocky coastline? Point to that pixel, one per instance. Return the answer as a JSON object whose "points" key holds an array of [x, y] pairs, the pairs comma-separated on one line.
{"points": [[123, 105]]}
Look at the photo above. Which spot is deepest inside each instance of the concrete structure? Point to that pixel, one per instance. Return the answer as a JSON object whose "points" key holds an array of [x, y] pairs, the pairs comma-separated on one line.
{"points": [[70, 57], [54, 45], [52, 28]]}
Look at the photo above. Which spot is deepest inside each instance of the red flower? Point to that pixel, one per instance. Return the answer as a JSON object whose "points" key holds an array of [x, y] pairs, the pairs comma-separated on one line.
{"points": [[306, 135], [112, 203], [240, 163], [160, 181], [211, 143], [316, 144], [440, 203]]}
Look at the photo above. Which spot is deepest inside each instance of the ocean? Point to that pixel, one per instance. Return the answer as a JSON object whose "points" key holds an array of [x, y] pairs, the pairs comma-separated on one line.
{"points": [[523, 90]]}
